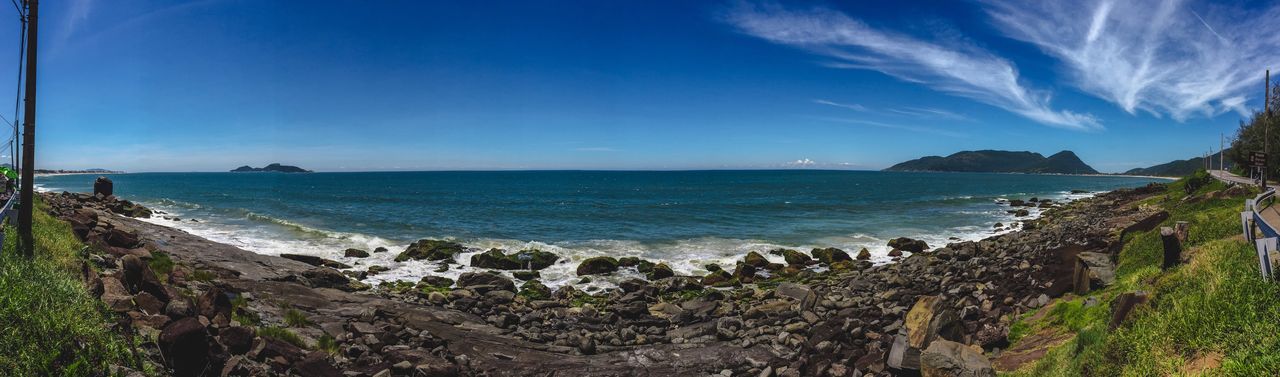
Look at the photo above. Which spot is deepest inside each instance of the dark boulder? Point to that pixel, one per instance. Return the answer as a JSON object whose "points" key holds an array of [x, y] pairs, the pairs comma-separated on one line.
{"points": [[597, 266], [437, 281], [138, 277], [237, 339], [324, 277], [754, 259], [946, 358], [315, 261], [355, 253], [830, 255], [214, 302], [719, 279], [864, 254], [795, 257], [532, 259], [316, 364], [430, 250], [660, 271], [495, 259], [908, 244], [103, 186], [485, 280], [122, 239], [185, 346]]}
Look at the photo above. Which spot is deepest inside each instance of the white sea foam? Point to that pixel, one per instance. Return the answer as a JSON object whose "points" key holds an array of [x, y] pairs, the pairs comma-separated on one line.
{"points": [[271, 236]]}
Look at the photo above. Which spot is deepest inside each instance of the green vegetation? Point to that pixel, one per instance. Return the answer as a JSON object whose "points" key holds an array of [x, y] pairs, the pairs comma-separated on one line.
{"points": [[161, 264], [283, 334], [328, 344], [1251, 137], [1211, 315], [1064, 162], [239, 313], [49, 323], [295, 318]]}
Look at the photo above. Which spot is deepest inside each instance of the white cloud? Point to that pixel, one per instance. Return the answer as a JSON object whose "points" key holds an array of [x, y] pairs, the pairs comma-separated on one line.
{"points": [[954, 68], [804, 162], [1158, 56], [843, 105]]}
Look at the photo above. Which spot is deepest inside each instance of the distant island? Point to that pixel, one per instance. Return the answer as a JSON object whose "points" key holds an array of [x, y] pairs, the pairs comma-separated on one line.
{"points": [[271, 168], [73, 171], [992, 161], [1181, 168]]}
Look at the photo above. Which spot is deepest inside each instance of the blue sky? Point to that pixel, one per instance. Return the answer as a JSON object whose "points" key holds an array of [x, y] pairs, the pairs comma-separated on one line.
{"points": [[416, 85]]}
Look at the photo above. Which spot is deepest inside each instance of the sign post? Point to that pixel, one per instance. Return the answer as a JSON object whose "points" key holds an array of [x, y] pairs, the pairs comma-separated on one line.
{"points": [[1259, 161]]}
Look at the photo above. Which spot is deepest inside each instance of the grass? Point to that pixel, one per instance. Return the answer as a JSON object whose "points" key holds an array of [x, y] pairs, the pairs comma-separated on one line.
{"points": [[295, 318], [49, 323], [328, 344], [161, 264], [280, 333], [1214, 307]]}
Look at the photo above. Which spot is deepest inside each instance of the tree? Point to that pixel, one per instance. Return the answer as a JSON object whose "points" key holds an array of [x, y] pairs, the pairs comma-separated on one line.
{"points": [[1250, 137]]}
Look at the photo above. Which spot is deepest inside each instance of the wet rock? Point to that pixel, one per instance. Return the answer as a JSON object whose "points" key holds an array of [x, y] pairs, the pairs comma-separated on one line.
{"points": [[495, 259], [830, 255], [754, 259], [485, 280], [535, 290], [597, 266], [950, 359], [380, 249], [355, 253], [908, 244], [719, 279], [315, 261], [660, 271], [795, 257], [895, 253], [526, 275], [430, 250], [864, 254], [437, 281], [324, 277]]}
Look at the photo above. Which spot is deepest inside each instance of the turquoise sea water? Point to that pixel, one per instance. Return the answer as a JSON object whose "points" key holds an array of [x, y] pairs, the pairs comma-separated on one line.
{"points": [[688, 218]]}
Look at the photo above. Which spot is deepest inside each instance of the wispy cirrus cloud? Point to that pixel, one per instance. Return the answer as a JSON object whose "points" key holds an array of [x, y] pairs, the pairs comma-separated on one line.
{"points": [[917, 112], [872, 123], [954, 68], [1161, 57]]}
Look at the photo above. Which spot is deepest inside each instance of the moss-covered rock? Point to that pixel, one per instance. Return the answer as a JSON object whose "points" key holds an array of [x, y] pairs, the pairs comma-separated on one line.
{"points": [[526, 275], [830, 255], [754, 259], [535, 290], [430, 250], [660, 271], [795, 257], [597, 266], [719, 279]]}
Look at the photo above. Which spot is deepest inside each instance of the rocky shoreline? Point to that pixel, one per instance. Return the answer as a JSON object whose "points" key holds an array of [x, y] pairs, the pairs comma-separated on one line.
{"points": [[220, 310]]}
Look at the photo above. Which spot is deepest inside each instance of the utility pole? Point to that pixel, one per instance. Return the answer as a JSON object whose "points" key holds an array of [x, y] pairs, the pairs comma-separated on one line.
{"points": [[1222, 147], [27, 197]]}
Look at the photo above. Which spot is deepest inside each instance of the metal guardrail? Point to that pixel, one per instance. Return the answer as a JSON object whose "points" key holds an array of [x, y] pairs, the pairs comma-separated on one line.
{"points": [[6, 213], [1251, 218]]}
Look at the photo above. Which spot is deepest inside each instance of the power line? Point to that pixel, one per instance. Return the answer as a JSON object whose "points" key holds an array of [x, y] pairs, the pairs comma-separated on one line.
{"points": [[17, 96]]}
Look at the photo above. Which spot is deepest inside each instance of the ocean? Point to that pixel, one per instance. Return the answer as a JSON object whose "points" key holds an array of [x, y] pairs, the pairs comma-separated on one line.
{"points": [[685, 218]]}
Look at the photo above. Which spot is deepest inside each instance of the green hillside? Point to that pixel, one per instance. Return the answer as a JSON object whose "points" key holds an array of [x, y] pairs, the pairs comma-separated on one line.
{"points": [[994, 161]]}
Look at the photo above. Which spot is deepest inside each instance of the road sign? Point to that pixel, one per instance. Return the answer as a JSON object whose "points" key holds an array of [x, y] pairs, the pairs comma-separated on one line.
{"points": [[1258, 159]]}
